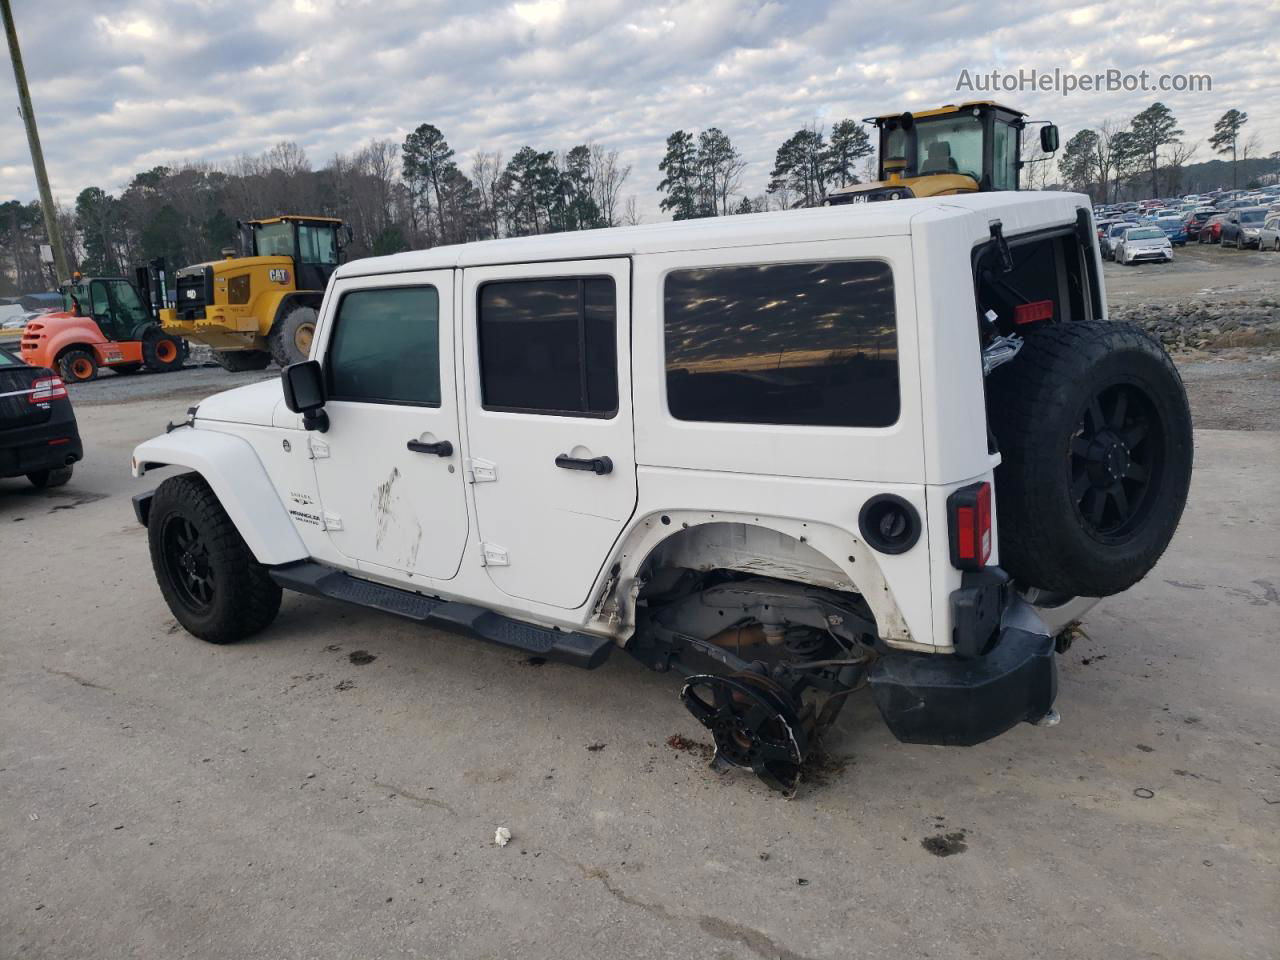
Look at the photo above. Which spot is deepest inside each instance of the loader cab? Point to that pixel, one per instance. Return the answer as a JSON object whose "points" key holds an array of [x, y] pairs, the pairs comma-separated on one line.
{"points": [[313, 243], [980, 141], [973, 147]]}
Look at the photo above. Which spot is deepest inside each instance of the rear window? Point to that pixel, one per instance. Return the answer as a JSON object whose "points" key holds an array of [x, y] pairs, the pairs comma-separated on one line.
{"points": [[1251, 216], [806, 344], [549, 346]]}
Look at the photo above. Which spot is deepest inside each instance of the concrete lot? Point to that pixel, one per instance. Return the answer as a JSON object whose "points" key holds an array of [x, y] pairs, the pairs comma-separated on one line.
{"points": [[165, 798]]}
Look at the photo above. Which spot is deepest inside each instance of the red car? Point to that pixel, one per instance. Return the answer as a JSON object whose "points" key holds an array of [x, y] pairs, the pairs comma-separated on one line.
{"points": [[1211, 229], [1193, 221]]}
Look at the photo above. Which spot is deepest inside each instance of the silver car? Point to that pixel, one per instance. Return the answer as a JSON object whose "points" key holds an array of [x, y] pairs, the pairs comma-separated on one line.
{"points": [[1269, 236], [1144, 244]]}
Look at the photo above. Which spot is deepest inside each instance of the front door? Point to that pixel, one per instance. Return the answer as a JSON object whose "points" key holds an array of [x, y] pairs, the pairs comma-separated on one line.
{"points": [[551, 446], [388, 470]]}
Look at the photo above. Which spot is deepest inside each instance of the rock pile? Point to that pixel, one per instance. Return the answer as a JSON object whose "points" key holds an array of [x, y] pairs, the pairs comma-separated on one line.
{"points": [[1207, 324]]}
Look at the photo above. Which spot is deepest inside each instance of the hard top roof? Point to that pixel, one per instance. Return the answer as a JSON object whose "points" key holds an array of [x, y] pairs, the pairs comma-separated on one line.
{"points": [[850, 221]]}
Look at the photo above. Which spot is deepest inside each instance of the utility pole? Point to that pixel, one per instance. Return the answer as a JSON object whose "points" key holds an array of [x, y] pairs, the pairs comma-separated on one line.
{"points": [[33, 141]]}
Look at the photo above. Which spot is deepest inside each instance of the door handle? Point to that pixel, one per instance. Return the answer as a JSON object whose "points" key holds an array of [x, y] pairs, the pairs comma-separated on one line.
{"points": [[441, 448], [597, 465]]}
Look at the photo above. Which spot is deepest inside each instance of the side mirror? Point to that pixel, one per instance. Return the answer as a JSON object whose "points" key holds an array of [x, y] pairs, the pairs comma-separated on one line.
{"points": [[303, 385], [1049, 138]]}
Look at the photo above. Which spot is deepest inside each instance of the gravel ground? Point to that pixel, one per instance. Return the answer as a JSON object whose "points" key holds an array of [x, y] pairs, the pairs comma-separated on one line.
{"points": [[332, 788]]}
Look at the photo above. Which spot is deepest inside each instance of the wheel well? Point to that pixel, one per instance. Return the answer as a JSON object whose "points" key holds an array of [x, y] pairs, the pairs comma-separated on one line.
{"points": [[746, 548], [86, 347], [774, 549], [312, 300]]}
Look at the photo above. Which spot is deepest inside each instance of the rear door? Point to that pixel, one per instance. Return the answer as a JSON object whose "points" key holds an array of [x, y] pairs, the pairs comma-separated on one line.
{"points": [[551, 446], [387, 469]]}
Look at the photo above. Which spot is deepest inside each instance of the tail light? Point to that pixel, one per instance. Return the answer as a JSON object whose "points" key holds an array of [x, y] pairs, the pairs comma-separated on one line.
{"points": [[969, 517], [46, 389], [1033, 312]]}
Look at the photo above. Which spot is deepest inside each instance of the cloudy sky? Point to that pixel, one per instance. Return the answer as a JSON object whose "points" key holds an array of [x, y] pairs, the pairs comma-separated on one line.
{"points": [[123, 85]]}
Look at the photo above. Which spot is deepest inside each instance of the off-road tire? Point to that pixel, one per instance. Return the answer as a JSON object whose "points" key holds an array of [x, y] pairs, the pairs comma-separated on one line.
{"points": [[244, 599], [289, 333], [161, 352], [125, 369], [240, 361], [78, 366], [1066, 441], [54, 477]]}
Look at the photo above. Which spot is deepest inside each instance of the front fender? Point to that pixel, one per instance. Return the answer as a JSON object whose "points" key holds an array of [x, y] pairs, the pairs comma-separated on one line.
{"points": [[232, 468]]}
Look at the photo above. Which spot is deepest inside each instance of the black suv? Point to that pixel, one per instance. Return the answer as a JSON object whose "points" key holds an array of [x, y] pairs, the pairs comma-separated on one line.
{"points": [[38, 433]]}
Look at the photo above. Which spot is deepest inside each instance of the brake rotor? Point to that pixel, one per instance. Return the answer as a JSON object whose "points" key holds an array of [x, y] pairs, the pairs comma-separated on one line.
{"points": [[755, 724]]}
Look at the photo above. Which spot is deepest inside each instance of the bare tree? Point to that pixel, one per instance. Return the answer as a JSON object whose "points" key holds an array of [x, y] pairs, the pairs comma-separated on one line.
{"points": [[486, 168], [631, 216], [607, 178], [1178, 156]]}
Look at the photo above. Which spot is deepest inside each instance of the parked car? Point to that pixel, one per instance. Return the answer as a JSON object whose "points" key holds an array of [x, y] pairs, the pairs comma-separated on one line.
{"points": [[1269, 238], [39, 438], [1174, 229], [1107, 245], [1147, 244], [1243, 227], [1193, 221], [1211, 229], [555, 444]]}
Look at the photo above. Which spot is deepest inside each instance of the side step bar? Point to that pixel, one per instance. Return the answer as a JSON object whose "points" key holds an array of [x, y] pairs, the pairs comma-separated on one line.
{"points": [[577, 649]]}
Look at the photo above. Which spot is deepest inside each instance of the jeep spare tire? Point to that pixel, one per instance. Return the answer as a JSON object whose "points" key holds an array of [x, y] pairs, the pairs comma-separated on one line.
{"points": [[1094, 433]]}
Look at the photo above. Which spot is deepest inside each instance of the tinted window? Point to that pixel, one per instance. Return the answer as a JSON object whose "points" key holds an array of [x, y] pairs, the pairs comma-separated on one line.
{"points": [[791, 343], [386, 347], [549, 346]]}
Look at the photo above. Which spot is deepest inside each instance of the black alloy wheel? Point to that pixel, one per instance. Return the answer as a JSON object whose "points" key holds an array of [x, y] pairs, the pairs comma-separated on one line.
{"points": [[1116, 456]]}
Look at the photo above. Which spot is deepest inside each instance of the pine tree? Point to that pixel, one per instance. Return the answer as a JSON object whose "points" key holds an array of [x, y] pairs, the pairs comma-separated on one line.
{"points": [[680, 180]]}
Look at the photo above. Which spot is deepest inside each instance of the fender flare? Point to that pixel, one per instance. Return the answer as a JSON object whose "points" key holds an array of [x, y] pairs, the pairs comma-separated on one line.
{"points": [[231, 467]]}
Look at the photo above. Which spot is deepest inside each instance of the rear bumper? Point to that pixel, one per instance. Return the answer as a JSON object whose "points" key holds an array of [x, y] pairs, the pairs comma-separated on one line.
{"points": [[953, 701], [43, 447]]}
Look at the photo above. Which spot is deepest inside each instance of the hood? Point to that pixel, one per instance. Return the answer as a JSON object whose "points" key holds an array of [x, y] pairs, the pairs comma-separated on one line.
{"points": [[1147, 242], [254, 404]]}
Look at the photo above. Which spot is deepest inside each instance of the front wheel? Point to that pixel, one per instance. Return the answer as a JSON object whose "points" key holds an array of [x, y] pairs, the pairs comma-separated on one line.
{"points": [[213, 585], [162, 352], [290, 338]]}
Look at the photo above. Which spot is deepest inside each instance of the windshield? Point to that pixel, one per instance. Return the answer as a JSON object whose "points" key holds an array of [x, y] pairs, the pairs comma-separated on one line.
{"points": [[950, 144], [274, 239], [1251, 216], [1145, 233]]}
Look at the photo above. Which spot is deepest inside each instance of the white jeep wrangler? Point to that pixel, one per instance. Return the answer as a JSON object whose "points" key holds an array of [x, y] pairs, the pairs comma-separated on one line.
{"points": [[815, 450]]}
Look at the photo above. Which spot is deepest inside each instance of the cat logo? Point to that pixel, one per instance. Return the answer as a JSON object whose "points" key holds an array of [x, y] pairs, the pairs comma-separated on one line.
{"points": [[279, 275]]}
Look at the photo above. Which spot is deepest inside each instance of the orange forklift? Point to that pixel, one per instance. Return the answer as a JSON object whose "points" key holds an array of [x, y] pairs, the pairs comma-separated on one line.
{"points": [[105, 322]]}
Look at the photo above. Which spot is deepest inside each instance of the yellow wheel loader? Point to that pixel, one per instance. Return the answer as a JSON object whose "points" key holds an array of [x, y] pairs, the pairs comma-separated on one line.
{"points": [[262, 306], [972, 147]]}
